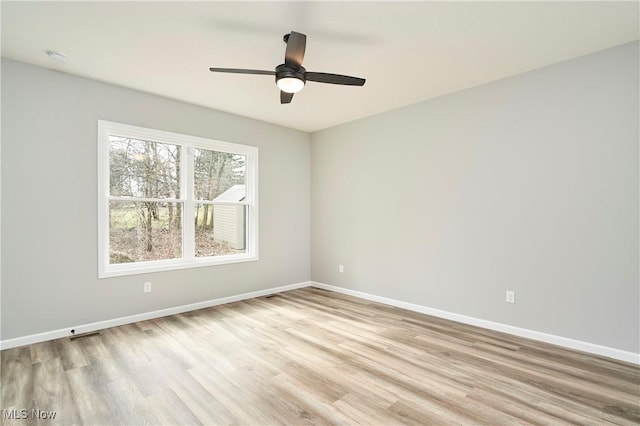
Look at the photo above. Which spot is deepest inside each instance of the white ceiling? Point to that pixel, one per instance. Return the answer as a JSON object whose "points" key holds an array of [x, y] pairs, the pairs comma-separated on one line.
{"points": [[407, 51]]}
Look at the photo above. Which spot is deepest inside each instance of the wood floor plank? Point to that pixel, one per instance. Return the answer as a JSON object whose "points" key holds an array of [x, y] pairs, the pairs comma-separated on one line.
{"points": [[313, 357], [320, 407], [17, 378], [43, 351], [169, 409], [52, 391], [234, 396]]}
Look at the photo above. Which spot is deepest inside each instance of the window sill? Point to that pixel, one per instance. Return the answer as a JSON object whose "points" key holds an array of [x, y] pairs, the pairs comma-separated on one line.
{"points": [[124, 269]]}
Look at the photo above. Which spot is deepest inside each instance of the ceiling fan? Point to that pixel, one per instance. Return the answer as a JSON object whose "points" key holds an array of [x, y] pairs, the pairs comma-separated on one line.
{"points": [[291, 76]]}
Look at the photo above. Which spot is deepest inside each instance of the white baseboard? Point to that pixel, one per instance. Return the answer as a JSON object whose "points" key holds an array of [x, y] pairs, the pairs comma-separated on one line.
{"points": [[100, 325], [517, 331]]}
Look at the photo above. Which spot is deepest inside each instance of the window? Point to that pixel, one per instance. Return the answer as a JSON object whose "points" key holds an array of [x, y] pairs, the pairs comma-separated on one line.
{"points": [[170, 201]]}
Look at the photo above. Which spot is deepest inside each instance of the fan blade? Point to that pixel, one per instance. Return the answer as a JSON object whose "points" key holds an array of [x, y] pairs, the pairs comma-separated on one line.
{"points": [[296, 44], [323, 77], [285, 97], [242, 71]]}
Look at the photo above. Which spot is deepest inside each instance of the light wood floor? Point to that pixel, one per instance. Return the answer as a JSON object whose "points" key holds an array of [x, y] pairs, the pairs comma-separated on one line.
{"points": [[314, 357]]}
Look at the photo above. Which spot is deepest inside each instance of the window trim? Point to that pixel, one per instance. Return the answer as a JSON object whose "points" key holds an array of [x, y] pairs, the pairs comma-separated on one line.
{"points": [[188, 143]]}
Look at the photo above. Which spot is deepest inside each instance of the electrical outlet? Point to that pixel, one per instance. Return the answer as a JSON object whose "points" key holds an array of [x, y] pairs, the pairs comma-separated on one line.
{"points": [[511, 296], [341, 269], [147, 287]]}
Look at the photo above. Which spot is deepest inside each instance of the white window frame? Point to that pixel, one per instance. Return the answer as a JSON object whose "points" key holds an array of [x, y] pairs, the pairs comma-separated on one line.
{"points": [[188, 143]]}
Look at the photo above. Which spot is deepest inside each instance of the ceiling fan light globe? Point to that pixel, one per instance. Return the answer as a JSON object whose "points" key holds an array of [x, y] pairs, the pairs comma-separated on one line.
{"points": [[290, 84]]}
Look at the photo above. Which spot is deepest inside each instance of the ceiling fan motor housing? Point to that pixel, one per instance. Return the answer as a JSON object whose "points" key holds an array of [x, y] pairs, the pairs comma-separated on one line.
{"points": [[284, 71]]}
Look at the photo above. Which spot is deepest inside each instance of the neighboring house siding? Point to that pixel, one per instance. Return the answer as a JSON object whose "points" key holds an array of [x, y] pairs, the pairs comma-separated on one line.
{"points": [[228, 221]]}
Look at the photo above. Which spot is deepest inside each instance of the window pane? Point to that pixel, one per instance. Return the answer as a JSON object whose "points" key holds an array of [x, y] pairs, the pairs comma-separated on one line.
{"points": [[143, 169], [143, 231], [215, 173], [220, 229]]}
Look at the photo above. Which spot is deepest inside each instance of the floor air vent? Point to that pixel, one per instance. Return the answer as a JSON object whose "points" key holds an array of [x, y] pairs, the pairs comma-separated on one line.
{"points": [[83, 335], [272, 295]]}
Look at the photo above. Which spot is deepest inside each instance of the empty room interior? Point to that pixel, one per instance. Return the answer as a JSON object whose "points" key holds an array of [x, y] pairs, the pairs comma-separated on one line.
{"points": [[320, 212]]}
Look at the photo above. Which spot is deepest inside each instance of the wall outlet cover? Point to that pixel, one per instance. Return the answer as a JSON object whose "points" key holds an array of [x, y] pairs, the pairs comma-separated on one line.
{"points": [[511, 296]]}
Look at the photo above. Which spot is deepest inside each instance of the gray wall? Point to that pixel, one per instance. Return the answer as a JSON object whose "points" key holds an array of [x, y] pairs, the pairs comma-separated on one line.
{"points": [[49, 217], [528, 183]]}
